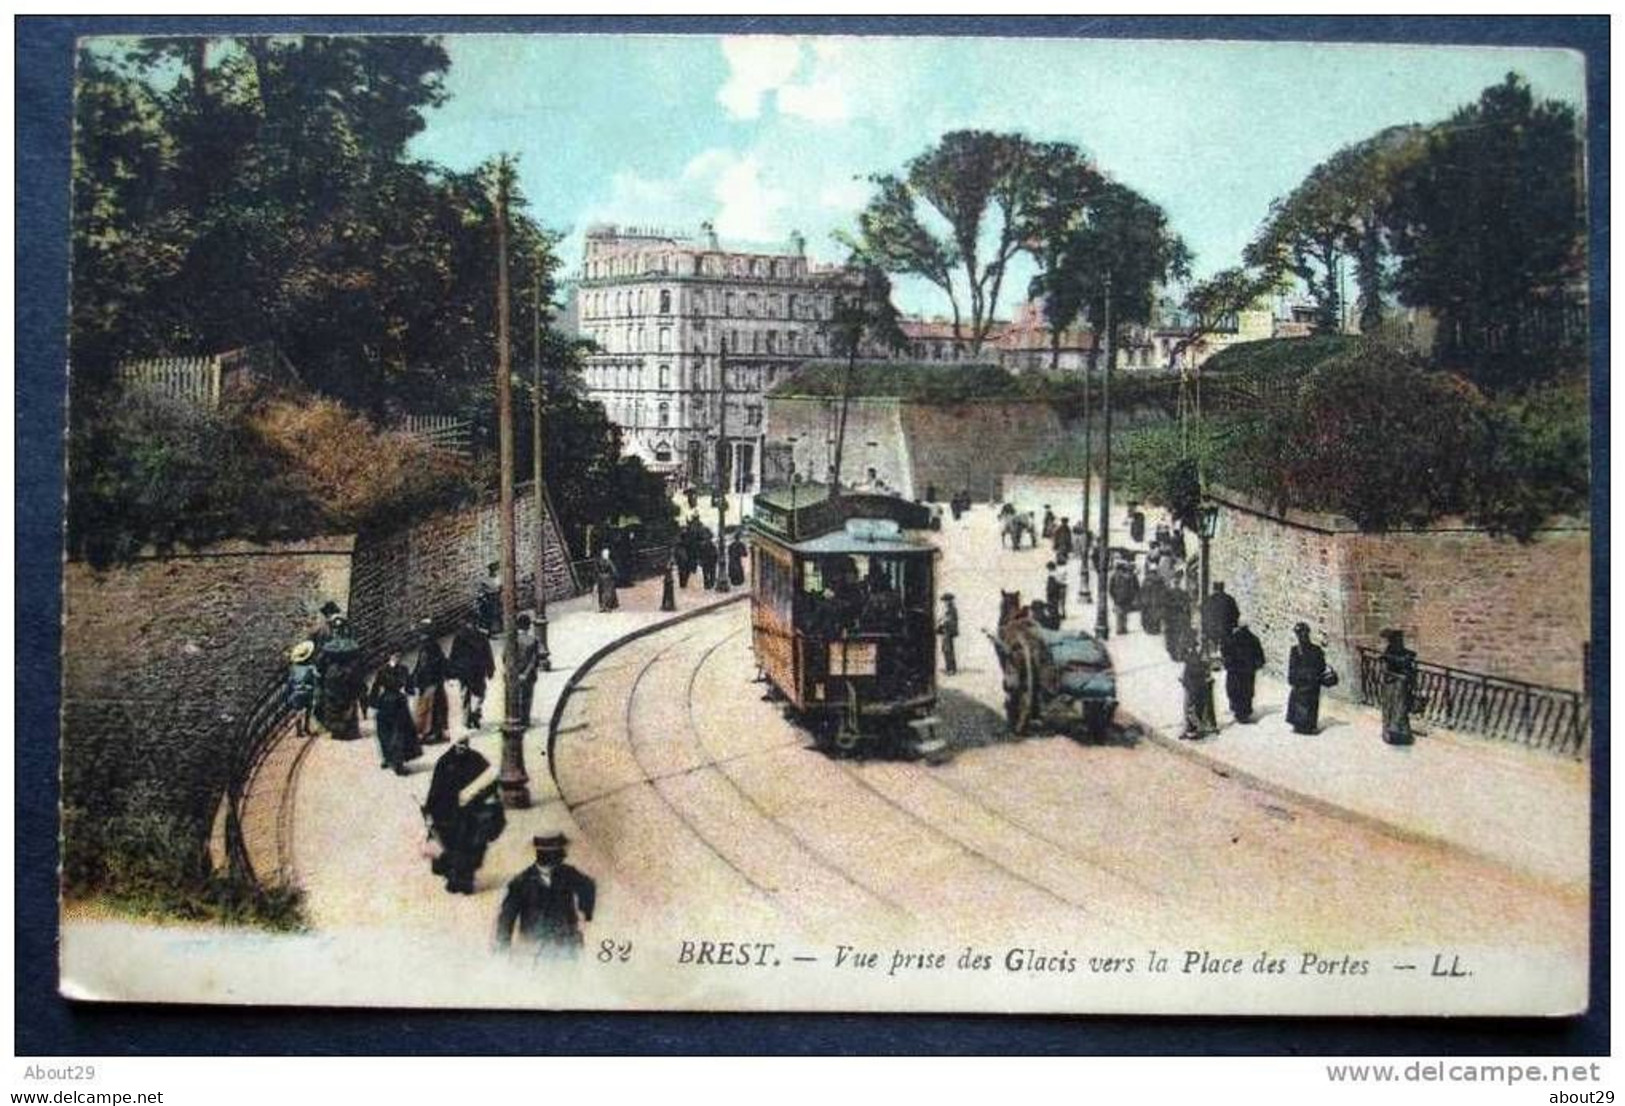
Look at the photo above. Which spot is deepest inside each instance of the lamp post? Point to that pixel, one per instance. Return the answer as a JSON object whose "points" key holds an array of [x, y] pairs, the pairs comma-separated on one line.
{"points": [[513, 782], [1207, 522], [722, 468], [1102, 630], [1088, 475], [539, 588]]}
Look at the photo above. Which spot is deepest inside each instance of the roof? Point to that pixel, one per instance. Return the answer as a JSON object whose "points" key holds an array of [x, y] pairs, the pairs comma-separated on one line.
{"points": [[839, 541], [794, 512]]}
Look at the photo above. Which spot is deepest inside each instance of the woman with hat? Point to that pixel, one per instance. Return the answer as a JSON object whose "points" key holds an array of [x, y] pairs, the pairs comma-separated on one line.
{"points": [[303, 680], [549, 900], [1307, 673], [1397, 689]]}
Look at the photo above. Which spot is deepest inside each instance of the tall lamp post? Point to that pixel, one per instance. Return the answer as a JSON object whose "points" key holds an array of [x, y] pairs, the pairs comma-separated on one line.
{"points": [[512, 782], [1088, 475], [537, 391], [722, 468], [1102, 630], [1207, 523]]}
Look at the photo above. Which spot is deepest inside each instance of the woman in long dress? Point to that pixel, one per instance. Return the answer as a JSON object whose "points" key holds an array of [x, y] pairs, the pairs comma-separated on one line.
{"points": [[1306, 673], [607, 599], [1397, 689]]}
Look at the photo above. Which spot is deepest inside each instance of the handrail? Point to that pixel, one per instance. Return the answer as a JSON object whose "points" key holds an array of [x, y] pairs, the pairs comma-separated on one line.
{"points": [[1540, 717]]}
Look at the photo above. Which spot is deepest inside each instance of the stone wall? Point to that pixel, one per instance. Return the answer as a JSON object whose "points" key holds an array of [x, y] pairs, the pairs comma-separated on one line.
{"points": [[916, 445], [432, 568], [1464, 597], [163, 656]]}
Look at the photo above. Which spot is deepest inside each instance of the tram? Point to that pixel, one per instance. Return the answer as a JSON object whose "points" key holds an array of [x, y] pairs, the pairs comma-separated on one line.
{"points": [[843, 602]]}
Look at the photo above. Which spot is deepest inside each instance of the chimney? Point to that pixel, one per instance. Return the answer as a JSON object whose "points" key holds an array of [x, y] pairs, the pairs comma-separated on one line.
{"points": [[798, 243], [709, 232]]}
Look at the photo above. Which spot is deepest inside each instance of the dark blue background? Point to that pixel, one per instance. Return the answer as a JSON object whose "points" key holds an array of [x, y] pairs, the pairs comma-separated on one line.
{"points": [[49, 1025]]}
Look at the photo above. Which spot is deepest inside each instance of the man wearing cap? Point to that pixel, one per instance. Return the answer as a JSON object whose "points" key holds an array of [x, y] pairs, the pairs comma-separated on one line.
{"points": [[528, 663], [1243, 656], [488, 599], [471, 664], [1306, 672], [548, 900], [428, 682], [1220, 616], [463, 783], [1124, 589], [948, 629]]}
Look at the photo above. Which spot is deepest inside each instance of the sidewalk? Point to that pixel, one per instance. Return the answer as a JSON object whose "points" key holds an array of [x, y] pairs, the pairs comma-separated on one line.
{"points": [[1519, 807]]}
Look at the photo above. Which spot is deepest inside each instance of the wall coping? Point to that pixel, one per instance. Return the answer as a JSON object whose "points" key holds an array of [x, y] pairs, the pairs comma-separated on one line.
{"points": [[904, 401], [318, 546], [1329, 523]]}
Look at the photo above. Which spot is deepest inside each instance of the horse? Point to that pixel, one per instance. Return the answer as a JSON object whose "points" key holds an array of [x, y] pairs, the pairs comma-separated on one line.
{"points": [[1010, 607], [1016, 524]]}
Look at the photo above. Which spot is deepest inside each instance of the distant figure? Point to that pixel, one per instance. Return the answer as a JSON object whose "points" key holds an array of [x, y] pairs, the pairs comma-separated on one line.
{"points": [[392, 716], [547, 902], [692, 495], [488, 600], [1220, 616], [1197, 679], [1124, 589], [1136, 523], [1055, 589], [668, 584], [736, 561], [604, 568], [948, 630], [1176, 542], [459, 812], [1153, 592], [930, 493], [303, 683], [1061, 541], [1307, 673], [339, 698], [471, 664], [429, 683], [1176, 619], [527, 662], [707, 556], [682, 557], [1397, 689], [1047, 528], [1243, 656]]}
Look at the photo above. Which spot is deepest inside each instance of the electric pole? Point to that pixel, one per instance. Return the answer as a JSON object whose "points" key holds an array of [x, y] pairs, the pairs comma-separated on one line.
{"points": [[513, 782], [1102, 631], [722, 467], [537, 441]]}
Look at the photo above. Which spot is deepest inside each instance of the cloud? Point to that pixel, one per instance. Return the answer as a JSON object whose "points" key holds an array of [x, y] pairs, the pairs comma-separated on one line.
{"points": [[757, 65], [718, 184], [807, 80]]}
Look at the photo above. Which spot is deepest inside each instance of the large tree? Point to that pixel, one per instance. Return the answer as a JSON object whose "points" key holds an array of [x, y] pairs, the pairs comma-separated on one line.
{"points": [[1489, 229], [1062, 183], [955, 217]]}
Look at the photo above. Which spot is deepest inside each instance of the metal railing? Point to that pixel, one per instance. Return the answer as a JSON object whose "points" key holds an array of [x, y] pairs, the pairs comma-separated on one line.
{"points": [[1539, 717]]}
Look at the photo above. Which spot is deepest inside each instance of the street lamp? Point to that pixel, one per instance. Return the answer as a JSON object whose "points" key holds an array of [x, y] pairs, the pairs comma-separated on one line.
{"points": [[1207, 523], [723, 466]]}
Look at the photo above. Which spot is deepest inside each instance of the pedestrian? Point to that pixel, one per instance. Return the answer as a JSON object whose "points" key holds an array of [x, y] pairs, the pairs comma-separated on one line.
{"points": [[547, 902], [1397, 689], [428, 682], [930, 493], [1176, 543], [1124, 589], [303, 682], [1055, 589], [668, 585], [604, 581], [683, 557], [1061, 541], [461, 811], [321, 628], [1306, 673], [1197, 679], [736, 560], [692, 494], [708, 560], [339, 698], [1176, 619], [392, 716], [471, 664], [488, 600], [1136, 523], [527, 662], [1153, 593], [1048, 528], [1220, 616], [948, 630], [1243, 656]]}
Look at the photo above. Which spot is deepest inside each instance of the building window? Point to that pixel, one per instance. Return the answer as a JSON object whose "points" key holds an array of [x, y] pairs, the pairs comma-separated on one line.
{"points": [[792, 304], [663, 414], [662, 452], [732, 307], [752, 306], [753, 415], [665, 339], [772, 341], [665, 299], [665, 376]]}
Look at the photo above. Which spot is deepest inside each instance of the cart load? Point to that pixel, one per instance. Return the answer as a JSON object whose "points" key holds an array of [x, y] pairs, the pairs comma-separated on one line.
{"points": [[1056, 677]]}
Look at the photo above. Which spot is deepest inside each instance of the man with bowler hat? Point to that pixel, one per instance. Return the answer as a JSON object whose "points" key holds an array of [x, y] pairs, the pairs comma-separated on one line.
{"points": [[549, 901], [948, 629]]}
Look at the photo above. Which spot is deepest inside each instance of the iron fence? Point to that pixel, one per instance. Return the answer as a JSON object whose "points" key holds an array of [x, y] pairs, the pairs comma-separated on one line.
{"points": [[1540, 717]]}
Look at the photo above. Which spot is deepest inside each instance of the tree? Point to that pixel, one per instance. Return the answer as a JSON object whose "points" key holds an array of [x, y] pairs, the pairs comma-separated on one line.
{"points": [[974, 184], [1062, 184], [1215, 302], [1124, 242], [1489, 227], [863, 316]]}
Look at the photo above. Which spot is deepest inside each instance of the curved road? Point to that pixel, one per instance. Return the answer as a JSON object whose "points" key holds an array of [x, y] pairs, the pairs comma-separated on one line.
{"points": [[708, 802]]}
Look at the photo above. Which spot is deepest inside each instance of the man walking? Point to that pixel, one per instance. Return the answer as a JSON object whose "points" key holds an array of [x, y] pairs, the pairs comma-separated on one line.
{"points": [[428, 683], [1243, 656], [1124, 588], [461, 793], [471, 664], [1220, 616], [948, 630], [1197, 678], [547, 902], [1061, 541], [1055, 589], [527, 663], [1306, 672], [1176, 614]]}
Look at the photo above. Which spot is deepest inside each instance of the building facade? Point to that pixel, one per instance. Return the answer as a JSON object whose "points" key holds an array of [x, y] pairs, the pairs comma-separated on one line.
{"points": [[690, 336]]}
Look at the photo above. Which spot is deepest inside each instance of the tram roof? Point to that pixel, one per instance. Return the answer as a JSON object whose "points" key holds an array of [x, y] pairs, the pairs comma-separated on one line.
{"points": [[804, 512]]}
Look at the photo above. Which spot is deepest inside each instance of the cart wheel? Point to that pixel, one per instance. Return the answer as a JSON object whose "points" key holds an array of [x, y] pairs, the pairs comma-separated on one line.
{"points": [[1020, 704]]}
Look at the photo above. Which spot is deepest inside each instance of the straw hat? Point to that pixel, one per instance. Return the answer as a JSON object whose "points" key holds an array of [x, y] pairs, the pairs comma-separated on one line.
{"points": [[302, 652]]}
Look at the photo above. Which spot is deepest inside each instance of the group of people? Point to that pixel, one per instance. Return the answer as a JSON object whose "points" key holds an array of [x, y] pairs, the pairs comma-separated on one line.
{"points": [[695, 550]]}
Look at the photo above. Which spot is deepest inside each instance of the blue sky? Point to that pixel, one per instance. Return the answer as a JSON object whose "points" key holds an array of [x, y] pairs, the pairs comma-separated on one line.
{"points": [[769, 134]]}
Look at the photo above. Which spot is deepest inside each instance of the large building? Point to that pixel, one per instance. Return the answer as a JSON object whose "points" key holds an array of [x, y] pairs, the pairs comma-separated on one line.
{"points": [[665, 310]]}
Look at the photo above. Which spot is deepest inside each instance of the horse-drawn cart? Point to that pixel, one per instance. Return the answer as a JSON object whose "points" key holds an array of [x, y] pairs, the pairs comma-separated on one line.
{"points": [[1057, 677]]}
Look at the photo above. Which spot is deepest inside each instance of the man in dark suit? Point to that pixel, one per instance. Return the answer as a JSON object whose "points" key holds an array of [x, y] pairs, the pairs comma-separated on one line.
{"points": [[548, 901], [461, 793]]}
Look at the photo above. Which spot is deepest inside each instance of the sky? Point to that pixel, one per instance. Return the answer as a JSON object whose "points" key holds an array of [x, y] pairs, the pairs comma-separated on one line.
{"points": [[770, 134]]}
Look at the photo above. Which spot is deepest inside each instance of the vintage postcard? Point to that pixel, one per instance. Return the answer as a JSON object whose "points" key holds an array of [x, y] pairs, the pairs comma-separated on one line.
{"points": [[828, 523]]}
